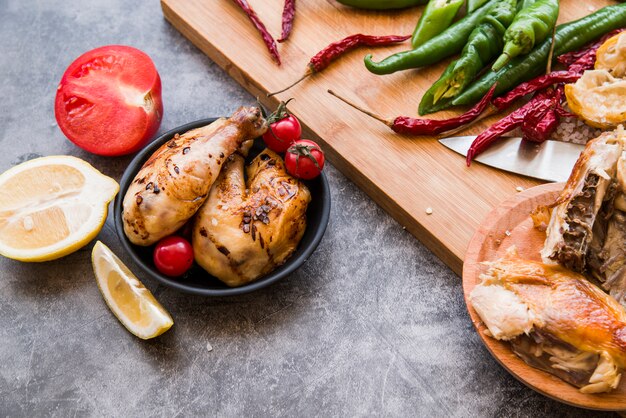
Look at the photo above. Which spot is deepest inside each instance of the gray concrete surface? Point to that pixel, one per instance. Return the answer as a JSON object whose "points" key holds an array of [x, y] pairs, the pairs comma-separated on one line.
{"points": [[374, 324]]}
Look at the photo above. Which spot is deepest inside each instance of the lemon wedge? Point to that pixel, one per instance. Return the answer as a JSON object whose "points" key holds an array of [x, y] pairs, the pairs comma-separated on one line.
{"points": [[127, 297], [51, 207]]}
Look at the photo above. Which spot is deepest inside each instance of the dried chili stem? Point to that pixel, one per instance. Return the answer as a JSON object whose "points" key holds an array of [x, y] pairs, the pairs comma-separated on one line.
{"points": [[307, 73], [270, 43], [387, 122]]}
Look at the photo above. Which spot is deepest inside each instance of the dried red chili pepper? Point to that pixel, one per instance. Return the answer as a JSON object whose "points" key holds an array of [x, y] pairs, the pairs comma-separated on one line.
{"points": [[417, 126], [584, 62], [322, 59], [570, 57], [289, 13], [540, 117], [534, 85], [543, 119], [543, 99], [267, 37]]}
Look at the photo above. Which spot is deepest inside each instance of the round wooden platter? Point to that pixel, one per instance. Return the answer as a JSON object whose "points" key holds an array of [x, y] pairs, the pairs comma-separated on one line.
{"points": [[506, 225]]}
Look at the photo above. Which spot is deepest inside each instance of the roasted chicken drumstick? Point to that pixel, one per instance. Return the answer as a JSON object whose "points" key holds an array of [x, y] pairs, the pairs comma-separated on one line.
{"points": [[246, 229], [175, 181]]}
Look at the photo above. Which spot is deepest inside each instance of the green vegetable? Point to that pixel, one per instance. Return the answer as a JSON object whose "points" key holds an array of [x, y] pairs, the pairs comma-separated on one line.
{"points": [[474, 4], [485, 43], [524, 4], [437, 17], [569, 37], [447, 43], [382, 4], [531, 26]]}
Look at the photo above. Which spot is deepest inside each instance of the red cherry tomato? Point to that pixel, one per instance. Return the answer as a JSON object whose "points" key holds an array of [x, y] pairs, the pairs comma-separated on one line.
{"points": [[304, 159], [173, 256], [109, 100], [282, 133]]}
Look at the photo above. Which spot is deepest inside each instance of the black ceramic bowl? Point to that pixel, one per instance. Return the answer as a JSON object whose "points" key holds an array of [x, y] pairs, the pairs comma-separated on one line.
{"points": [[197, 280]]}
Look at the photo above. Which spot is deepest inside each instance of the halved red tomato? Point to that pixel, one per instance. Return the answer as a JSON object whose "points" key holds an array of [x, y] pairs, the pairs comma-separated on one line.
{"points": [[109, 100]]}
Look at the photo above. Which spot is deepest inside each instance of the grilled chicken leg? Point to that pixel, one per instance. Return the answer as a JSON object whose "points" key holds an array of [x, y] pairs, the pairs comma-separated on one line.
{"points": [[175, 181], [244, 231]]}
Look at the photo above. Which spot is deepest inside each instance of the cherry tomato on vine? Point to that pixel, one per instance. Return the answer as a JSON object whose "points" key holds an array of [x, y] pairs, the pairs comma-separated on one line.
{"points": [[284, 129], [282, 134], [304, 159], [173, 256]]}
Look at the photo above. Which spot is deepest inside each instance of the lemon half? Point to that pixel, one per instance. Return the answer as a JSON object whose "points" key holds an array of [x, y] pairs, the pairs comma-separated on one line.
{"points": [[127, 297], [51, 207]]}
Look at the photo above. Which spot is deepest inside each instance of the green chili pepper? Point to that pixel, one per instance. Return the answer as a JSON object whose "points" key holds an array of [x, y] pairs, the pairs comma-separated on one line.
{"points": [[382, 4], [447, 43], [531, 26], [474, 4], [485, 43], [569, 37], [437, 17], [524, 4]]}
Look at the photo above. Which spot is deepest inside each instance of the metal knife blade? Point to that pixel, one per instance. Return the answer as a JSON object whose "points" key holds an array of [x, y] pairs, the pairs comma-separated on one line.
{"points": [[550, 160]]}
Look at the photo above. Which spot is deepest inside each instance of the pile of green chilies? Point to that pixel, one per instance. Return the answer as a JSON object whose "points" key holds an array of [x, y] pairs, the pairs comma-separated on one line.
{"points": [[485, 42], [569, 37], [515, 33]]}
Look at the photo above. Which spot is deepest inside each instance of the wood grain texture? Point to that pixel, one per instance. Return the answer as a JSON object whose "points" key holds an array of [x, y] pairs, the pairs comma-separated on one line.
{"points": [[506, 225], [404, 175]]}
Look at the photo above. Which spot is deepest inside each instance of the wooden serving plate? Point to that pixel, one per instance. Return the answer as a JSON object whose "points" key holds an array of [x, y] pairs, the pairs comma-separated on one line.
{"points": [[510, 224]]}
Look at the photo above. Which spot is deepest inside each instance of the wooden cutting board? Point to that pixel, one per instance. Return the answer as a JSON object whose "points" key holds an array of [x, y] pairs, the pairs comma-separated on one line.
{"points": [[404, 175]]}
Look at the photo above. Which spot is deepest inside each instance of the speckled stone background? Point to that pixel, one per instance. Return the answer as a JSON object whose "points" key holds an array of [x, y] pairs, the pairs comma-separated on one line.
{"points": [[373, 324]]}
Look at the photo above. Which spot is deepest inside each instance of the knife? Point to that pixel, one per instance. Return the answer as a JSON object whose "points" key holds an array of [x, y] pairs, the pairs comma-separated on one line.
{"points": [[549, 160]]}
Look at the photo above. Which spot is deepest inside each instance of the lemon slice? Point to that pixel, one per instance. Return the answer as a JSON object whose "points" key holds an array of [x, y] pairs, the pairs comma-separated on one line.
{"points": [[51, 207], [127, 297]]}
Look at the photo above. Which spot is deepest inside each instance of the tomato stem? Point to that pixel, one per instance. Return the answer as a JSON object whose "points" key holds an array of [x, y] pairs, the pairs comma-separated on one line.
{"points": [[280, 113], [301, 150]]}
